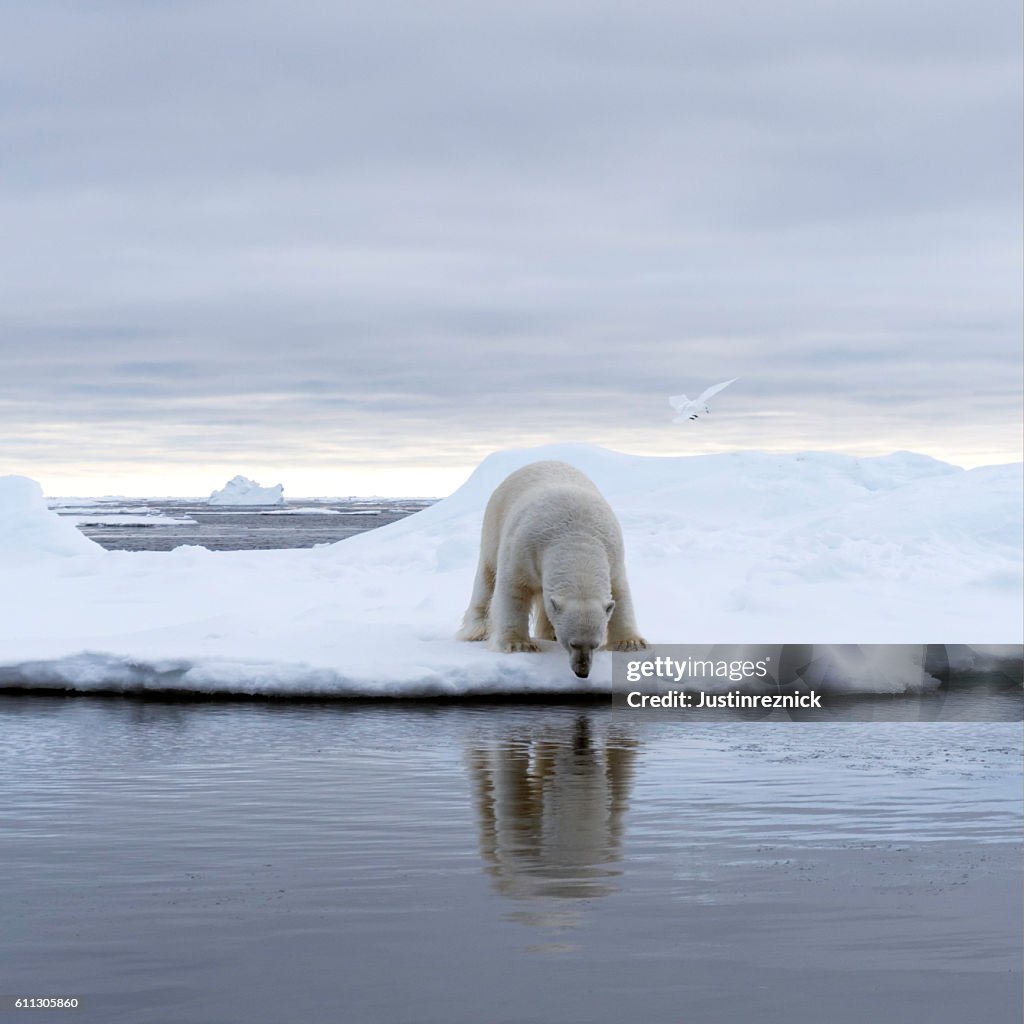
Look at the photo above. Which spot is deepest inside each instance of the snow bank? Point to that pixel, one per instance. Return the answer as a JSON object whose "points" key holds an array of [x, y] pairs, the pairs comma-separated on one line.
{"points": [[740, 548], [29, 531], [242, 491]]}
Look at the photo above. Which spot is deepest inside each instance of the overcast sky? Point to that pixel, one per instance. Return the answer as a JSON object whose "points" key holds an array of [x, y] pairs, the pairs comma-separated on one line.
{"points": [[352, 247]]}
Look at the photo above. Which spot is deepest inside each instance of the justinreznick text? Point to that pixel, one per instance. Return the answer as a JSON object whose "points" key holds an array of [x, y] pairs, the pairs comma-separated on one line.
{"points": [[698, 699]]}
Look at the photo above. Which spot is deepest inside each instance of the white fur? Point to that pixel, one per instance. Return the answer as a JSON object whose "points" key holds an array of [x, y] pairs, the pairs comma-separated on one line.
{"points": [[551, 544]]}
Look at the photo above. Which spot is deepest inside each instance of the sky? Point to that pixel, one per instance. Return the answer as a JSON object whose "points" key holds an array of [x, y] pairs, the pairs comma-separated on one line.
{"points": [[354, 247]]}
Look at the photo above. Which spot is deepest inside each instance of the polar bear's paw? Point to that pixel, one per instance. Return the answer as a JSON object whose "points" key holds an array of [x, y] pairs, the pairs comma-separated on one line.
{"points": [[473, 631], [518, 647], [632, 643]]}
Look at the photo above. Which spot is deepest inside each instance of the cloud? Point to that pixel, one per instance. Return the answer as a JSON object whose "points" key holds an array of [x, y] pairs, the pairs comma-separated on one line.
{"points": [[423, 230]]}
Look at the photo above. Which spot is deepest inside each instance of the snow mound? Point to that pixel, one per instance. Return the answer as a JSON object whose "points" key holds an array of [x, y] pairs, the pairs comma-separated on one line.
{"points": [[749, 547], [29, 531], [240, 490]]}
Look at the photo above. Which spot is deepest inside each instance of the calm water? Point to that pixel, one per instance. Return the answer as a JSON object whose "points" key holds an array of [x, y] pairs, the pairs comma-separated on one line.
{"points": [[127, 524], [238, 861], [208, 862]]}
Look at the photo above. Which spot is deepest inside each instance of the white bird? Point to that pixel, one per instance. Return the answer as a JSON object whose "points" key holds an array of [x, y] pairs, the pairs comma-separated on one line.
{"points": [[690, 409]]}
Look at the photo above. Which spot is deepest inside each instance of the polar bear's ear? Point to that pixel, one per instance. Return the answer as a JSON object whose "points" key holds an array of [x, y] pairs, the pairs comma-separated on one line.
{"points": [[555, 606], [609, 608]]}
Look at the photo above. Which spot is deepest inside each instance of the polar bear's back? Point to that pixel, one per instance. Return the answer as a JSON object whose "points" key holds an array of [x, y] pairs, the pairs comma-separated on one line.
{"points": [[527, 484], [544, 498], [541, 475]]}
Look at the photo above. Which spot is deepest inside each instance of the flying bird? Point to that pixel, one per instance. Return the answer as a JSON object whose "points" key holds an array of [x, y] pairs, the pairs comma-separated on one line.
{"points": [[691, 409]]}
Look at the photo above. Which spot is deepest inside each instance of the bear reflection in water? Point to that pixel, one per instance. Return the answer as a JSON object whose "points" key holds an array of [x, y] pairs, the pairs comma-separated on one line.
{"points": [[551, 803]]}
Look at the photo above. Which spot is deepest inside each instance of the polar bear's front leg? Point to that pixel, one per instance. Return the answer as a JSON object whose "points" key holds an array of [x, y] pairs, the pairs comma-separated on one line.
{"points": [[542, 627], [623, 633], [510, 618]]}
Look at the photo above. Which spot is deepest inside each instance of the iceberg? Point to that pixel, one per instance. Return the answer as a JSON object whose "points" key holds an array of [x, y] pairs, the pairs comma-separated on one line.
{"points": [[240, 490], [745, 547]]}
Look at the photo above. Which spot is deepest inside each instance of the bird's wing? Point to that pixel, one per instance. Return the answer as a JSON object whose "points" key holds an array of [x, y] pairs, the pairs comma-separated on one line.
{"points": [[712, 391], [679, 402]]}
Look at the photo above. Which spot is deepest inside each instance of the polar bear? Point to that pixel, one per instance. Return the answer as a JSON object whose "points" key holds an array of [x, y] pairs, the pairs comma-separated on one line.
{"points": [[551, 543]]}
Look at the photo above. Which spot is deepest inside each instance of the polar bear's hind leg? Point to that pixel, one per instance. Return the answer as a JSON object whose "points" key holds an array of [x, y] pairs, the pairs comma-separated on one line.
{"points": [[475, 621]]}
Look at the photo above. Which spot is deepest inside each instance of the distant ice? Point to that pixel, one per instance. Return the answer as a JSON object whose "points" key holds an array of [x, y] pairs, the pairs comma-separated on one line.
{"points": [[747, 547], [306, 512], [99, 508], [241, 490], [64, 503], [259, 511], [127, 519]]}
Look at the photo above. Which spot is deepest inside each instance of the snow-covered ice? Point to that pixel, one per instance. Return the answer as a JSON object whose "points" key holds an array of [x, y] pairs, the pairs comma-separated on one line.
{"points": [[74, 504], [127, 519], [306, 511], [302, 511], [738, 548], [29, 532], [241, 490]]}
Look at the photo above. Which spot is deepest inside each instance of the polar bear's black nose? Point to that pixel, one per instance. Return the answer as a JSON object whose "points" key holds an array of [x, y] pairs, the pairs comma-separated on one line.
{"points": [[582, 672]]}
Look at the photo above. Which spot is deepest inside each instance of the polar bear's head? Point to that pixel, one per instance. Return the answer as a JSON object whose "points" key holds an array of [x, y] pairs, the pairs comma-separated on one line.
{"points": [[581, 626]]}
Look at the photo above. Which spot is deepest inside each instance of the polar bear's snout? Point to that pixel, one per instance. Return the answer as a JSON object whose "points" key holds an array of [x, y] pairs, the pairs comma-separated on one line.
{"points": [[580, 658]]}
